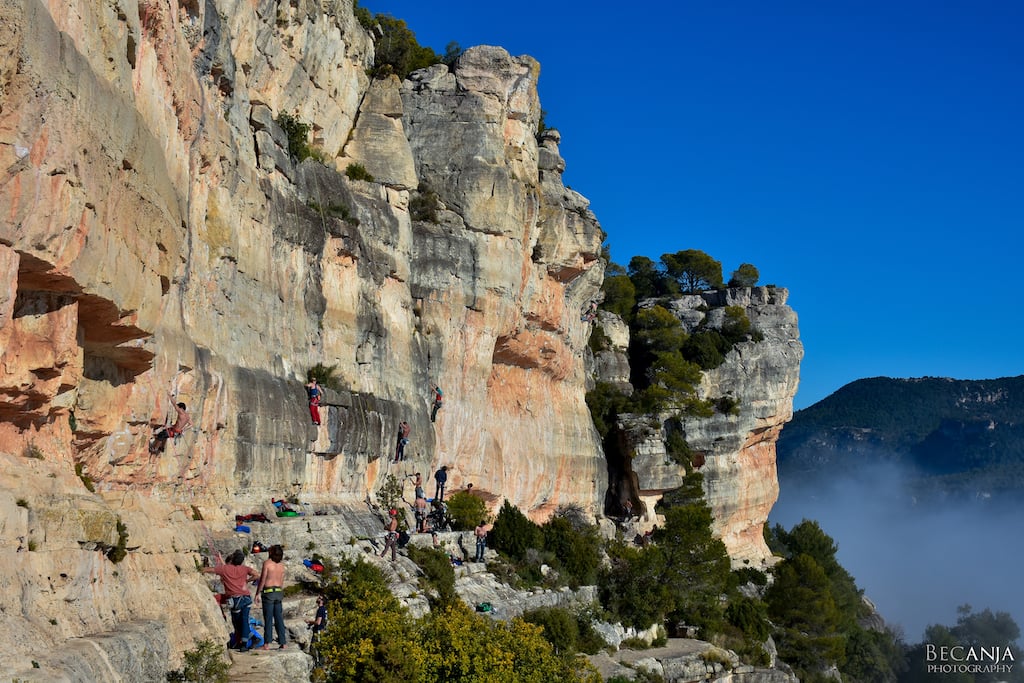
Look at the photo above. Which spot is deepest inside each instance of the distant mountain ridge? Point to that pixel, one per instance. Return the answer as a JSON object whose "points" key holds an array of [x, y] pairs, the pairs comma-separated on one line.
{"points": [[953, 437]]}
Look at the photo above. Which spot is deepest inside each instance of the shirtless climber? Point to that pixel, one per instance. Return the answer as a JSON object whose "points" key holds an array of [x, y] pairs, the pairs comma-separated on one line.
{"points": [[159, 441]]}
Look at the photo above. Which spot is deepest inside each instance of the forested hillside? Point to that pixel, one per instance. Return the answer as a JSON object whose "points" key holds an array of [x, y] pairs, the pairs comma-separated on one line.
{"points": [[959, 437]]}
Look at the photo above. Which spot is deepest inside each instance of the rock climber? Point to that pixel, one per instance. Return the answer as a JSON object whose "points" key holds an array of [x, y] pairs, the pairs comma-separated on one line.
{"points": [[315, 393], [159, 441], [403, 439], [438, 401]]}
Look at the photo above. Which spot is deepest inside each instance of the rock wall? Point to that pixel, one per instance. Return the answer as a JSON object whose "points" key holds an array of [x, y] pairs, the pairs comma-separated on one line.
{"points": [[160, 241], [735, 449]]}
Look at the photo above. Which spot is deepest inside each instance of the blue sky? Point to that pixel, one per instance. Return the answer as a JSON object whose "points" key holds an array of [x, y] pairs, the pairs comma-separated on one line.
{"points": [[868, 156]]}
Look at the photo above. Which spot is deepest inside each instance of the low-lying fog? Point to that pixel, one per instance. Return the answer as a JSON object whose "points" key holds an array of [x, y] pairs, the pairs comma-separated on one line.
{"points": [[917, 562]]}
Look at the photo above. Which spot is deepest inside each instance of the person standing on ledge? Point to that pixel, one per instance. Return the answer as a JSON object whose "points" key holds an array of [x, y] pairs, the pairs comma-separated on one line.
{"points": [[438, 401], [234, 575], [391, 540], [271, 589], [481, 540], [440, 478]]}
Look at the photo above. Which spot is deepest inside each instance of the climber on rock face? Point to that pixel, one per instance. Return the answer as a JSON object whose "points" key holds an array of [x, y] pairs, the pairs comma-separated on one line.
{"points": [[315, 394], [438, 401], [403, 439], [159, 441]]}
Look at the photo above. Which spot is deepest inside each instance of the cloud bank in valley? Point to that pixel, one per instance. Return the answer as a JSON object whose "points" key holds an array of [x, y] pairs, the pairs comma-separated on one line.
{"points": [[916, 561]]}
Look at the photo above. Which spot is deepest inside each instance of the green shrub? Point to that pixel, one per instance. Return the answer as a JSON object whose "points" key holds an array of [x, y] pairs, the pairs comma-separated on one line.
{"points": [[513, 533], [676, 447], [589, 641], [397, 51], [657, 330], [86, 479], [460, 645], [750, 616], [631, 585], [641, 675], [706, 348], [716, 656], [560, 628], [598, 341], [466, 510], [736, 325], [325, 375], [204, 664], [576, 548], [356, 171], [22, 503], [119, 551], [619, 296], [605, 402], [389, 495], [745, 575], [727, 405], [452, 52], [335, 210], [634, 643], [298, 136], [32, 451], [363, 16], [424, 205], [744, 276], [437, 572], [369, 636]]}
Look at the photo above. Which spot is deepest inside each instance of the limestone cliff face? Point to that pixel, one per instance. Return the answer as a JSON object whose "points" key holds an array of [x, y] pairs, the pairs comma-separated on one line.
{"points": [[735, 448], [158, 239]]}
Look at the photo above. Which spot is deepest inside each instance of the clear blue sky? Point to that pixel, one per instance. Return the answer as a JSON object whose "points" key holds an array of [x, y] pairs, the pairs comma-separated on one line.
{"points": [[868, 156]]}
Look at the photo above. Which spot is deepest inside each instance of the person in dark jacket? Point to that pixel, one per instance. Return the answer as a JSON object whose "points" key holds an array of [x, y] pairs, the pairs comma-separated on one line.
{"points": [[441, 478]]}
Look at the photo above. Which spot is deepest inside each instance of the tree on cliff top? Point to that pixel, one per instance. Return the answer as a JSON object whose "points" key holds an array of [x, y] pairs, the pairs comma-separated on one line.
{"points": [[745, 276], [694, 270], [397, 51]]}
